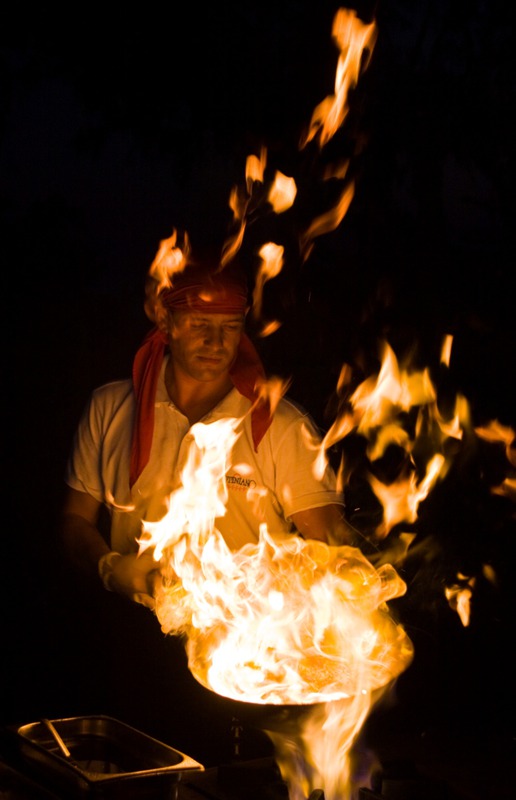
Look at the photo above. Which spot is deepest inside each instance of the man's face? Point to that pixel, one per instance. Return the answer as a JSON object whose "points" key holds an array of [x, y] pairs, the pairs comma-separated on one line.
{"points": [[204, 346]]}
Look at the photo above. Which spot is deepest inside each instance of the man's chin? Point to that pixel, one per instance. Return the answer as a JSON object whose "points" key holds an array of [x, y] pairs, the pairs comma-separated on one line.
{"points": [[209, 373]]}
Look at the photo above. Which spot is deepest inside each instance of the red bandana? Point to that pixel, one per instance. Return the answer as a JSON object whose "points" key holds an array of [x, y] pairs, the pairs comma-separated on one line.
{"points": [[194, 290]]}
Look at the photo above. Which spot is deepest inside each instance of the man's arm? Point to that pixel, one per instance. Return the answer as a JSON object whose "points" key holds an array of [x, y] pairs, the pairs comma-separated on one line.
{"points": [[327, 524], [131, 575], [82, 542]]}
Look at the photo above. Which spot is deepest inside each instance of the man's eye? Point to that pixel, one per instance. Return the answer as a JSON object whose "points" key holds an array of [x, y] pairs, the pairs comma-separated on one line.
{"points": [[233, 328]]}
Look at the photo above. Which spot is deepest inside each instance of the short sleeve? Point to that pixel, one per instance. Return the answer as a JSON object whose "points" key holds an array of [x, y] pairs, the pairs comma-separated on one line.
{"points": [[83, 467], [298, 485]]}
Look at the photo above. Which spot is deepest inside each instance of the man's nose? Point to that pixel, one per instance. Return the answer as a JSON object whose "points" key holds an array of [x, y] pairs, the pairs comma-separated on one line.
{"points": [[214, 336]]}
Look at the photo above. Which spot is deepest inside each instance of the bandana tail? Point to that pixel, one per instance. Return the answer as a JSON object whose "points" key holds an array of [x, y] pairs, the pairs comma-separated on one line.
{"points": [[246, 374], [146, 368]]}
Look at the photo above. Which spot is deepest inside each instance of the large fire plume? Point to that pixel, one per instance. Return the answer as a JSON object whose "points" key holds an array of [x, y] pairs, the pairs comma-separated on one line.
{"points": [[288, 622]]}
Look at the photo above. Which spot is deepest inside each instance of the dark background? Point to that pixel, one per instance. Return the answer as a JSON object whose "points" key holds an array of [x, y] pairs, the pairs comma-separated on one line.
{"points": [[114, 131]]}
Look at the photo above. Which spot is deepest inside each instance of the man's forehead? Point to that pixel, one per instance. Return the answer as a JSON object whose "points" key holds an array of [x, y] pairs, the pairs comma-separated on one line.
{"points": [[212, 316]]}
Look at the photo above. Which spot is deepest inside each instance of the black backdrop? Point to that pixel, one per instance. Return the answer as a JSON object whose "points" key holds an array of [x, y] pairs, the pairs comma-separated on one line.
{"points": [[113, 132]]}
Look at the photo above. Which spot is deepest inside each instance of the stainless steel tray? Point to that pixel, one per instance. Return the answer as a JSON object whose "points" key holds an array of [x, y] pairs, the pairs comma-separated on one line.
{"points": [[108, 759]]}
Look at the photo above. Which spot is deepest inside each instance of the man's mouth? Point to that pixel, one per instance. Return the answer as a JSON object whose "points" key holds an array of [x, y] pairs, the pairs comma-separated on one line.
{"points": [[212, 360]]}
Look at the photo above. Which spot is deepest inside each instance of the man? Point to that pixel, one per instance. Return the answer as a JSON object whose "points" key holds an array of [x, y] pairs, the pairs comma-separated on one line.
{"points": [[195, 365]]}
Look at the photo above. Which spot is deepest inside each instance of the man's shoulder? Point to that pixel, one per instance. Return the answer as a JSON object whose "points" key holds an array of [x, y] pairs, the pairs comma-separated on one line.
{"points": [[113, 393], [292, 422], [289, 411], [289, 408]]}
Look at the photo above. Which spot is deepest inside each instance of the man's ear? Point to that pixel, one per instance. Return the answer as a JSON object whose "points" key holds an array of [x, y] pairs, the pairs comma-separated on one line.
{"points": [[153, 306]]}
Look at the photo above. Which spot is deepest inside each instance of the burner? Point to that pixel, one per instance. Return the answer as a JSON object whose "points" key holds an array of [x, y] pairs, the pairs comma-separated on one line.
{"points": [[260, 779]]}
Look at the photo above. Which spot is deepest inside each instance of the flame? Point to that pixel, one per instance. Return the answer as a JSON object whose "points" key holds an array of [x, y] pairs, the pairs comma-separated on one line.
{"points": [[282, 193], [401, 499], [328, 221], [489, 574], [192, 509], [377, 410], [459, 596], [355, 41], [269, 328], [255, 168], [446, 350], [240, 203], [314, 750], [168, 260], [273, 390], [353, 38], [280, 622], [496, 432], [271, 256]]}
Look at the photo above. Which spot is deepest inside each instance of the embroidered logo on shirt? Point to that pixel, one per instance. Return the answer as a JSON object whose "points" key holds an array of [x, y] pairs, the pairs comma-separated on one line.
{"points": [[238, 483]]}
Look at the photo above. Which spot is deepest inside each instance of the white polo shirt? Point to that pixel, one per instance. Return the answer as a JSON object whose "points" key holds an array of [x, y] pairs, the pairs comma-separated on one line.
{"points": [[281, 473]]}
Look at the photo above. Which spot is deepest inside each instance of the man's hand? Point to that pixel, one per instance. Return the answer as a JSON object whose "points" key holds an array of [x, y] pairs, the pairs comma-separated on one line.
{"points": [[327, 524], [132, 575]]}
